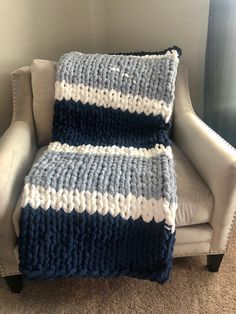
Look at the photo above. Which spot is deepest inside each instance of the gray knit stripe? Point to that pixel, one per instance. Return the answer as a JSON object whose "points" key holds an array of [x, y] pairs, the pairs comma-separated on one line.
{"points": [[148, 177], [151, 78]]}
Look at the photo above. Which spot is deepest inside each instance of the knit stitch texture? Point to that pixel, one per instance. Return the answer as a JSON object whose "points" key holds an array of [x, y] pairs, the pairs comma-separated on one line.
{"points": [[101, 200]]}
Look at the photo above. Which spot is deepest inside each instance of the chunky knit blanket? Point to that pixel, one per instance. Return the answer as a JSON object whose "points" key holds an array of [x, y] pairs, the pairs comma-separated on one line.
{"points": [[101, 200]]}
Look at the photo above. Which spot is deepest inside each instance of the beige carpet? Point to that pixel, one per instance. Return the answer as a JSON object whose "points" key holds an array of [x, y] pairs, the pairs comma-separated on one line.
{"points": [[192, 289]]}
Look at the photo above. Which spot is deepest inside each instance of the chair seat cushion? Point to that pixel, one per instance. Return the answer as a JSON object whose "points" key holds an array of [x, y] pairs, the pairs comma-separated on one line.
{"points": [[195, 201]]}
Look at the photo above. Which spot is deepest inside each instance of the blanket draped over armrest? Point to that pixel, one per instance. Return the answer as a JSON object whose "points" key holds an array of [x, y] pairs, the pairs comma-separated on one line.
{"points": [[101, 200]]}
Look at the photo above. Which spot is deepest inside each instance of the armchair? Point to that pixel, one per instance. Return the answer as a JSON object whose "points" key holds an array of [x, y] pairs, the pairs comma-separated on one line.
{"points": [[205, 167]]}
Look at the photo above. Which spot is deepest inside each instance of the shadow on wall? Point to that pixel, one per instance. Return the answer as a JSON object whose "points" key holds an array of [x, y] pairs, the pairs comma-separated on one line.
{"points": [[47, 29]]}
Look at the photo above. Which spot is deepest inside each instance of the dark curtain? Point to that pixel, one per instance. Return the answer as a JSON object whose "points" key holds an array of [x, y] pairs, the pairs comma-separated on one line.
{"points": [[220, 75]]}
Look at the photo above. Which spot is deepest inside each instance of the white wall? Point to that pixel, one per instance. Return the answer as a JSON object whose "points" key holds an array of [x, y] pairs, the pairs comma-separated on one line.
{"points": [[44, 29], [154, 25], [47, 28]]}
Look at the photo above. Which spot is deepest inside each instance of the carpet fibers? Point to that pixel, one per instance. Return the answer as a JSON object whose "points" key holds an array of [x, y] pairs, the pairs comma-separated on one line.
{"points": [[192, 289]]}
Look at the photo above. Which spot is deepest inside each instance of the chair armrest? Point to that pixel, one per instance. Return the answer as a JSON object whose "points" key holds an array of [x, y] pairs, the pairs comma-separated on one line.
{"points": [[17, 150], [215, 161]]}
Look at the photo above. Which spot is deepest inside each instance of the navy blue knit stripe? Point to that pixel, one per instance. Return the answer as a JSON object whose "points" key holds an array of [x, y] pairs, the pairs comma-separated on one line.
{"points": [[77, 124], [54, 244], [146, 53]]}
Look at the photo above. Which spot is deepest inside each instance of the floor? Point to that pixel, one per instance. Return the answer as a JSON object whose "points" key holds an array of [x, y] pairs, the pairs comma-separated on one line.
{"points": [[192, 289]]}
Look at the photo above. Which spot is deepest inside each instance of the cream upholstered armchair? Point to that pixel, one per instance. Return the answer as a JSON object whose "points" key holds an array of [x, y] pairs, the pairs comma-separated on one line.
{"points": [[205, 166]]}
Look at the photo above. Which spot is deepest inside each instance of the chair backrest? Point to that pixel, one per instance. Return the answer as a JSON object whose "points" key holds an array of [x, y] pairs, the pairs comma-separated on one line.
{"points": [[43, 80], [43, 88]]}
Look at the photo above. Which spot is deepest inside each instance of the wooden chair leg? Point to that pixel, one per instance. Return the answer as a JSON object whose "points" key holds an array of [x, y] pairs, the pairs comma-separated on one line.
{"points": [[214, 261], [15, 283]]}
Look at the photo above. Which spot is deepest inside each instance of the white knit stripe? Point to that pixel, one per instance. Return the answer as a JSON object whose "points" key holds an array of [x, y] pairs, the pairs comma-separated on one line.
{"points": [[112, 150], [91, 202], [112, 99]]}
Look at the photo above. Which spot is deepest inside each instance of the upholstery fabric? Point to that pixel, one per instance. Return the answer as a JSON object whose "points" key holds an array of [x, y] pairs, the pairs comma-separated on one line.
{"points": [[43, 85], [214, 159], [195, 200], [17, 151], [183, 133], [101, 200]]}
